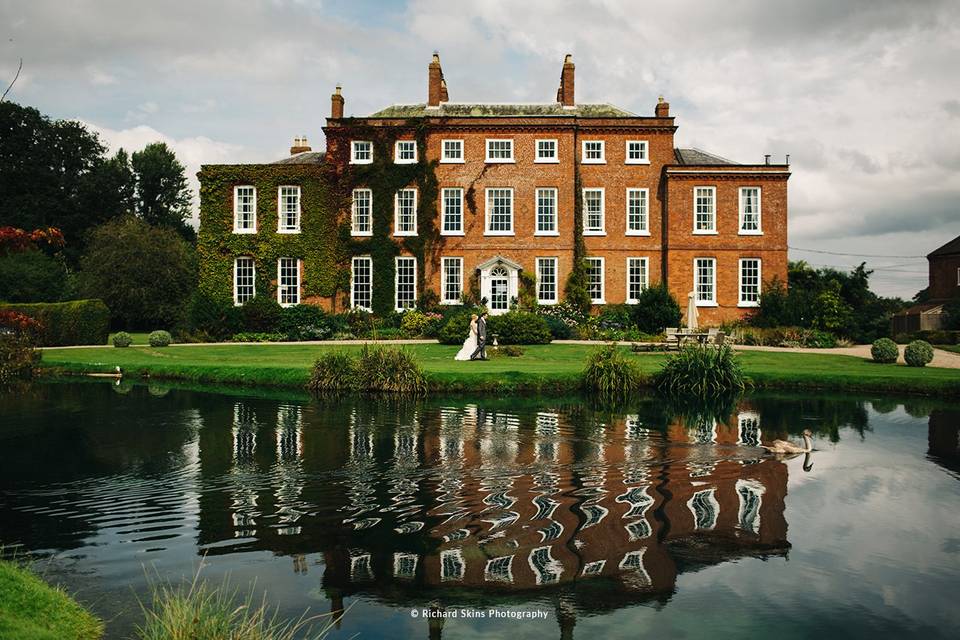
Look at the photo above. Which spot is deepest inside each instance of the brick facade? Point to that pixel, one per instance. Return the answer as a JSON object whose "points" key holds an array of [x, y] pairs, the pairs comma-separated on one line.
{"points": [[666, 174]]}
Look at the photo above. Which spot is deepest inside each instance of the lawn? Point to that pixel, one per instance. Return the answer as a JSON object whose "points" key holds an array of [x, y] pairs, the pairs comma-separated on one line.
{"points": [[32, 610], [541, 367], [955, 348]]}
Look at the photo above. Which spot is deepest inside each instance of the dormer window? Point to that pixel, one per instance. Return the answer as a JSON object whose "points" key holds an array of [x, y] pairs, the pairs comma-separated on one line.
{"points": [[361, 152], [405, 152], [593, 152], [499, 150]]}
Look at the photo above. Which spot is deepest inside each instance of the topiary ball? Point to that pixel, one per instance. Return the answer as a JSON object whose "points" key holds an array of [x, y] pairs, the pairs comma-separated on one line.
{"points": [[122, 339], [918, 353], [884, 350], [160, 338]]}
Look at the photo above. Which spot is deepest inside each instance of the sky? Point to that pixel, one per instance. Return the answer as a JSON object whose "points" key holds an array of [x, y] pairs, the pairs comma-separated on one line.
{"points": [[863, 94]]}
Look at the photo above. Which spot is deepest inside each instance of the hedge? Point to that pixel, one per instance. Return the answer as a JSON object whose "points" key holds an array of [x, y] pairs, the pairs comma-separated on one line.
{"points": [[68, 323]]}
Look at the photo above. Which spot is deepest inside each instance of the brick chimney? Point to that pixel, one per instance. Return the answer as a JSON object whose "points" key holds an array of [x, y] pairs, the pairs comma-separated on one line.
{"points": [[565, 92], [336, 105], [663, 108], [300, 145], [436, 85]]}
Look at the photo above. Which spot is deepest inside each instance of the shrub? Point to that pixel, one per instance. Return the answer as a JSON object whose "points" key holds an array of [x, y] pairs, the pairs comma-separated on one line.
{"points": [[217, 317], [357, 322], [918, 353], [252, 336], [615, 316], [518, 327], [884, 350], [655, 310], [68, 323], [160, 338], [611, 374], [819, 339], [418, 323], [122, 339], [305, 322], [509, 350], [701, 371], [559, 329], [332, 372], [374, 370], [261, 314], [937, 336], [32, 276], [455, 330], [17, 357]]}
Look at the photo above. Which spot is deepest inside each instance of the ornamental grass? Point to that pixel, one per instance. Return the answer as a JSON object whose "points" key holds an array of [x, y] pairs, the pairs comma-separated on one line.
{"points": [[701, 371]]}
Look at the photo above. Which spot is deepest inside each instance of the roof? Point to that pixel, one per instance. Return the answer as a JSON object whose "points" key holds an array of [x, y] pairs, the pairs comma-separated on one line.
{"points": [[307, 157], [949, 249], [487, 110], [921, 309], [699, 157]]}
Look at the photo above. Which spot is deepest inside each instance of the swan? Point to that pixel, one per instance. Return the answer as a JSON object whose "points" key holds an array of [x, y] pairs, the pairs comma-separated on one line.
{"points": [[785, 446]]}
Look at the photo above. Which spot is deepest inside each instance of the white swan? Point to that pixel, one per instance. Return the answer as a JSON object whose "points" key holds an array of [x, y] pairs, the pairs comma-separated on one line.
{"points": [[787, 447]]}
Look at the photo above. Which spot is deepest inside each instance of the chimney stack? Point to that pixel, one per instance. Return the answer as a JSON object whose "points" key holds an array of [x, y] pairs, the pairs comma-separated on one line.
{"points": [[565, 92], [436, 85], [300, 145], [766, 158], [663, 108], [336, 105]]}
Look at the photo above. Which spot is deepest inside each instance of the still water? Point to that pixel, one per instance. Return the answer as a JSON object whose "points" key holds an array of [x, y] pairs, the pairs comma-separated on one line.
{"points": [[632, 523]]}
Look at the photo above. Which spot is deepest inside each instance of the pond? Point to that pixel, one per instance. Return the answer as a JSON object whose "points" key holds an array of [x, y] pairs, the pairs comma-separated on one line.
{"points": [[589, 523]]}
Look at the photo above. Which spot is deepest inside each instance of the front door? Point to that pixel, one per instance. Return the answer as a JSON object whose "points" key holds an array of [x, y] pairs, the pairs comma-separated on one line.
{"points": [[499, 290]]}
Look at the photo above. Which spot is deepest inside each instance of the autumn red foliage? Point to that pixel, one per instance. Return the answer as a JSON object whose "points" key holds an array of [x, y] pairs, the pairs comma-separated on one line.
{"points": [[13, 240]]}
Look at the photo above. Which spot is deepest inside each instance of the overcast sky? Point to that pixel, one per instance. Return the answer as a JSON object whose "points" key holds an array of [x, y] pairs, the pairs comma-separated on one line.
{"points": [[863, 94]]}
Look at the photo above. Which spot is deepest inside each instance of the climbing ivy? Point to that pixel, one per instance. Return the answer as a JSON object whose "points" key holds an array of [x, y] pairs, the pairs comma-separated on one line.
{"points": [[384, 179], [316, 244], [575, 291]]}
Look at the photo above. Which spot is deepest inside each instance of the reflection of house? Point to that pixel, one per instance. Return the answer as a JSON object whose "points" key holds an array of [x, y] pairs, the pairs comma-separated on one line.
{"points": [[944, 438], [944, 266]]}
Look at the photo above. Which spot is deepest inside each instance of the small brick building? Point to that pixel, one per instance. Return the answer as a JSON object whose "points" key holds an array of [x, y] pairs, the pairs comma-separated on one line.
{"points": [[507, 184], [944, 286]]}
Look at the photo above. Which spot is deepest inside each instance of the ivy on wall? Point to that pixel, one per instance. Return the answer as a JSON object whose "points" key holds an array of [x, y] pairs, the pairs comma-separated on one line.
{"points": [[384, 179], [316, 244], [575, 291]]}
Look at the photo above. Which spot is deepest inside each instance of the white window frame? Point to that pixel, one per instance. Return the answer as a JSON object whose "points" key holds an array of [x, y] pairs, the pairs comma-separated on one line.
{"points": [[491, 160], [602, 231], [556, 215], [236, 209], [713, 230], [750, 232], [443, 152], [958, 276], [740, 300], [444, 298], [486, 223], [583, 152], [554, 159], [353, 213], [396, 283], [705, 303], [396, 213], [603, 280], [645, 146], [353, 152], [281, 214], [353, 290], [396, 152], [253, 266], [556, 279], [443, 212], [280, 286], [644, 229], [644, 280]]}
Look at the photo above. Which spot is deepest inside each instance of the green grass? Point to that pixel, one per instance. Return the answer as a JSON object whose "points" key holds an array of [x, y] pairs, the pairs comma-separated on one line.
{"points": [[138, 338], [542, 367], [955, 348], [30, 609]]}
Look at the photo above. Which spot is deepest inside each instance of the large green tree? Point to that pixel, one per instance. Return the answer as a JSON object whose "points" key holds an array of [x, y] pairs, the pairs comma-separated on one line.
{"points": [[162, 194], [144, 273], [56, 173]]}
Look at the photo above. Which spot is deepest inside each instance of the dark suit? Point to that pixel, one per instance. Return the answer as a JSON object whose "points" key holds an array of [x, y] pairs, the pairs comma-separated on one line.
{"points": [[481, 349]]}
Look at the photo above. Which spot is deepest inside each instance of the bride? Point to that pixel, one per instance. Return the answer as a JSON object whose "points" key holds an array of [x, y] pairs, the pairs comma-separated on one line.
{"points": [[470, 344]]}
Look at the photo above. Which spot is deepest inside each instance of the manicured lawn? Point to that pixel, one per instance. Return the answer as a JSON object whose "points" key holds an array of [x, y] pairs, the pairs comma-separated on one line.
{"points": [[30, 609], [541, 367], [955, 348]]}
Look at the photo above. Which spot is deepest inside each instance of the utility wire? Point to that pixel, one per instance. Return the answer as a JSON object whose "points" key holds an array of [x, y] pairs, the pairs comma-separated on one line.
{"points": [[857, 255]]}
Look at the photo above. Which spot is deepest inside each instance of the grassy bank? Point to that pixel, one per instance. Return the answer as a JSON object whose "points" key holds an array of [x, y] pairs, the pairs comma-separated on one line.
{"points": [[541, 368], [30, 609]]}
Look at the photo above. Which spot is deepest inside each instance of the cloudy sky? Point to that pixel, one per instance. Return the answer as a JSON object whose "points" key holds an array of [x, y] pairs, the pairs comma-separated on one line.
{"points": [[863, 94]]}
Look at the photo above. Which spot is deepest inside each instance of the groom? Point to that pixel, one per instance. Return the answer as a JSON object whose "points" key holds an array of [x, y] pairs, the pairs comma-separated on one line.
{"points": [[481, 349]]}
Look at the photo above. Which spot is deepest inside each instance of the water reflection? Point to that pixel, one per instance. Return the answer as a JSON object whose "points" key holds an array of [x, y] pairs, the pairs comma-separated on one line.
{"points": [[426, 503]]}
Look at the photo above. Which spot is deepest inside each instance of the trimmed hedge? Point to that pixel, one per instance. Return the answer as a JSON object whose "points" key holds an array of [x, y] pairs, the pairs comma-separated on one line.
{"points": [[160, 338], [122, 339], [918, 353], [68, 323], [518, 327], [884, 350]]}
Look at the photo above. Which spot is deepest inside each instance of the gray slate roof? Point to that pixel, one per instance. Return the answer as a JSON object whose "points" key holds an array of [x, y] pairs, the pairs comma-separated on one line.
{"points": [[699, 157], [307, 157], [487, 110], [949, 249]]}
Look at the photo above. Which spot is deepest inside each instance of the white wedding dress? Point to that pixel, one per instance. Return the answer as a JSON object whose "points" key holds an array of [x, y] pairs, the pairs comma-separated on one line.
{"points": [[469, 345]]}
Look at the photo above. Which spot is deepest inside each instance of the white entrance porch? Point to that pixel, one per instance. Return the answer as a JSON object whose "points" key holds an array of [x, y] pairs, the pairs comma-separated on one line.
{"points": [[499, 283]]}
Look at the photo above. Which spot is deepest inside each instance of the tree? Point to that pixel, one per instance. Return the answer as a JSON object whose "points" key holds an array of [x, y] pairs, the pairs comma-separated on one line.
{"points": [[162, 195], [32, 276], [56, 172], [145, 274]]}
